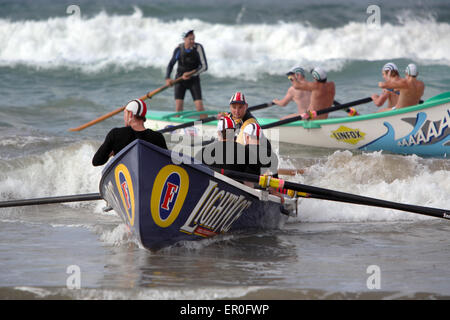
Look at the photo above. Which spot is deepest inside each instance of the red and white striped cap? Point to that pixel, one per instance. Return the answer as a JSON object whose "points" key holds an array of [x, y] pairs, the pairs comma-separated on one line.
{"points": [[238, 97], [225, 123], [137, 107], [253, 129]]}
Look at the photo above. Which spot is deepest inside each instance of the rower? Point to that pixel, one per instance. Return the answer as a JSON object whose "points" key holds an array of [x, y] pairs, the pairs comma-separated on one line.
{"points": [[411, 89], [258, 157], [118, 138], [243, 118], [240, 114], [300, 97], [225, 153], [388, 72], [322, 92]]}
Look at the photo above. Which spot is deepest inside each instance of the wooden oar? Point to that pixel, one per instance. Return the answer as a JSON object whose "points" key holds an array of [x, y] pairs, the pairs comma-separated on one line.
{"points": [[332, 195], [212, 118], [118, 110], [48, 200], [323, 111]]}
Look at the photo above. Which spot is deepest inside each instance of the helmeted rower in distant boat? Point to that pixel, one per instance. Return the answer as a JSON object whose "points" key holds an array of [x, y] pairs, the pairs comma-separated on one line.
{"points": [[389, 72], [410, 88], [322, 93]]}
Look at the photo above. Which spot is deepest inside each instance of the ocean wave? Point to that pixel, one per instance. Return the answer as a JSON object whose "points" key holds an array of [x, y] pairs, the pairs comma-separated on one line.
{"points": [[403, 179], [95, 43], [60, 171]]}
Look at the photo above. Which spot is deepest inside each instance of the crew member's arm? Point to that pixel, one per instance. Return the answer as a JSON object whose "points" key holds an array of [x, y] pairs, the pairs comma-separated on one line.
{"points": [[379, 100], [203, 63], [105, 151], [394, 84], [304, 85], [287, 98], [175, 56]]}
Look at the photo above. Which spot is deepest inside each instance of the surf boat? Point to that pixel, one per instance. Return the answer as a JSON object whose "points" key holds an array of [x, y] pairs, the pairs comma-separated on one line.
{"points": [[165, 198], [423, 129]]}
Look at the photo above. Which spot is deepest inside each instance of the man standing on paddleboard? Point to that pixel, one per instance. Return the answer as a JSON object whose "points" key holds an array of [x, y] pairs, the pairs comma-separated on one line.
{"points": [[191, 59]]}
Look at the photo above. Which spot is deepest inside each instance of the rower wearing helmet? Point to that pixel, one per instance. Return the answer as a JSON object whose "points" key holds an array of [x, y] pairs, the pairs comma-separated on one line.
{"points": [[322, 92], [225, 153], [389, 72], [257, 156], [243, 118], [118, 138], [300, 97], [240, 114], [411, 89]]}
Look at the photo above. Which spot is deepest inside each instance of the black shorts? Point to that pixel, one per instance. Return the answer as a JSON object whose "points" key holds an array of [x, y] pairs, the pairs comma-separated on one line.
{"points": [[193, 84]]}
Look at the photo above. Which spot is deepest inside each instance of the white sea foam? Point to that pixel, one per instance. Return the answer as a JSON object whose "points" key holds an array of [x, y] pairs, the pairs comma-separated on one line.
{"points": [[204, 293], [119, 236], [130, 41], [403, 179], [62, 171]]}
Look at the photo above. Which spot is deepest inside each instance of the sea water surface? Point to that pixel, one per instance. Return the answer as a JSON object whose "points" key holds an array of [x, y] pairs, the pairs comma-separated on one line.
{"points": [[63, 64]]}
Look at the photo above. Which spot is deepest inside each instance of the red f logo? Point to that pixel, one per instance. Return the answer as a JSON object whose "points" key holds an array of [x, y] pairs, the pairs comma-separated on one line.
{"points": [[126, 195], [170, 193]]}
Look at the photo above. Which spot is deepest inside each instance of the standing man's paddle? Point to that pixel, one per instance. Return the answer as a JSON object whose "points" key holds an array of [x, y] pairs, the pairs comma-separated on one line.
{"points": [[323, 111], [118, 110]]}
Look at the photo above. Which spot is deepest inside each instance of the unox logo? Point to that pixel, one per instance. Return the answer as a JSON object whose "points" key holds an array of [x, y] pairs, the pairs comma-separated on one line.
{"points": [[169, 191], [124, 186]]}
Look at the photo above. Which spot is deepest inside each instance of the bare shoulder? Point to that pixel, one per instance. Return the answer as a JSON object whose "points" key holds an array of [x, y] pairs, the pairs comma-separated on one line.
{"points": [[331, 86]]}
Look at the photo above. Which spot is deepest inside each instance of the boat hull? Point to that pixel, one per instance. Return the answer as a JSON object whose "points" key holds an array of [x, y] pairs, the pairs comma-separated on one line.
{"points": [[423, 130], [164, 202]]}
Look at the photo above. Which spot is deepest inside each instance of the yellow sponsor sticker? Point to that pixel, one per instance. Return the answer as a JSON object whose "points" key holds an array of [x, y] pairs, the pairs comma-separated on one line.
{"points": [[347, 135], [125, 187], [169, 191]]}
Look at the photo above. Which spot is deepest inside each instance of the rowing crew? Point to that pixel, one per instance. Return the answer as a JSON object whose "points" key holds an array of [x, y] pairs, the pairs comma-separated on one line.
{"points": [[399, 92], [312, 96], [239, 135]]}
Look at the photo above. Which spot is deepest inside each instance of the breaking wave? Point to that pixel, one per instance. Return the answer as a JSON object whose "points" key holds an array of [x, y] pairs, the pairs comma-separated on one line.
{"points": [[95, 43]]}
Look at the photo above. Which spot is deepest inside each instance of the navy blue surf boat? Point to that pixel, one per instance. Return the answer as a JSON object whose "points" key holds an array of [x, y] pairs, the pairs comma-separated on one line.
{"points": [[165, 199]]}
